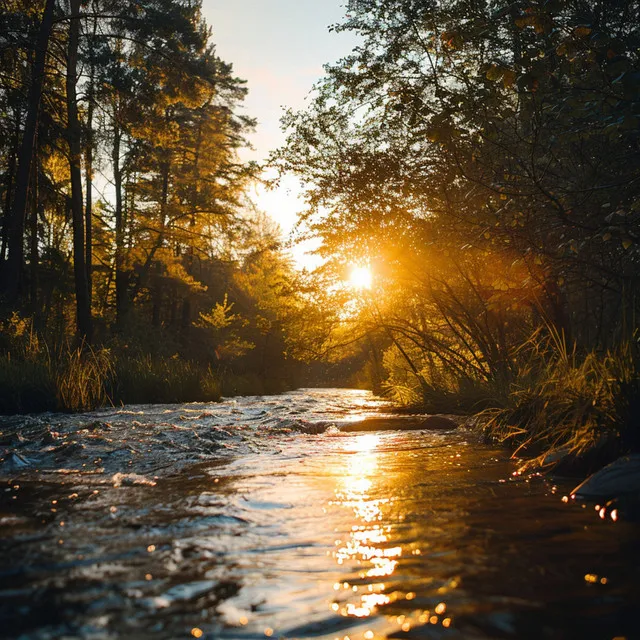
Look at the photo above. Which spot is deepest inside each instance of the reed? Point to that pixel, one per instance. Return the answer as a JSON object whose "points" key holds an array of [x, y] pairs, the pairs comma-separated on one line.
{"points": [[69, 377], [82, 378], [144, 379]]}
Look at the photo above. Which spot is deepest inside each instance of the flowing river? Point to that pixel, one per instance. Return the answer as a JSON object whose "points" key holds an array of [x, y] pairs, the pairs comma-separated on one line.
{"points": [[245, 519]]}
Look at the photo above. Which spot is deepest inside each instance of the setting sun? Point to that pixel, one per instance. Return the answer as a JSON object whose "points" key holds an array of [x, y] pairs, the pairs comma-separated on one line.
{"points": [[360, 278]]}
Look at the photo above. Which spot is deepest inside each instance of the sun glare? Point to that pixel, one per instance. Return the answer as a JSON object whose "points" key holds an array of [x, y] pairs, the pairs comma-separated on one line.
{"points": [[360, 278]]}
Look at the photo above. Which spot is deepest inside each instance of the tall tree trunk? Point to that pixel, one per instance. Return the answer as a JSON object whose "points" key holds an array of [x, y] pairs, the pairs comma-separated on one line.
{"points": [[13, 269], [83, 307], [11, 172], [88, 215], [33, 240], [164, 206], [88, 212], [158, 287], [121, 275]]}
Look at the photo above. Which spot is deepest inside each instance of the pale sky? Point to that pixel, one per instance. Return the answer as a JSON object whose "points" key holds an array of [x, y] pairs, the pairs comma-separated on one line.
{"points": [[279, 47]]}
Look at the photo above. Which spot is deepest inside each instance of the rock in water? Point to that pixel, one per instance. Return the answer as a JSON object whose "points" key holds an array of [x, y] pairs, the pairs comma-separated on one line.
{"points": [[131, 480], [619, 478], [16, 462], [407, 423]]}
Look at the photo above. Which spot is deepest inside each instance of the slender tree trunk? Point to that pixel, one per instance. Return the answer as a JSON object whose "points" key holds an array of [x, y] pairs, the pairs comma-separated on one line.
{"points": [[164, 204], [121, 275], [158, 287], [88, 216], [13, 269], [88, 213], [33, 240], [11, 172], [173, 309], [195, 187], [83, 307]]}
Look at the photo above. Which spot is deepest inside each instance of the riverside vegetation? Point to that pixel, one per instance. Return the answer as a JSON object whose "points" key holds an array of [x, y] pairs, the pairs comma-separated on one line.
{"points": [[481, 159], [133, 267]]}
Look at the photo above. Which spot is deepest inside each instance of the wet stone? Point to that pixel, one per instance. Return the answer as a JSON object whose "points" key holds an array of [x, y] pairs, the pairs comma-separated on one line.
{"points": [[402, 423], [620, 478]]}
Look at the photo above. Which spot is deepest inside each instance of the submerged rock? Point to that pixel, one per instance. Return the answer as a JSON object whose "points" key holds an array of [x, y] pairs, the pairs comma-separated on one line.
{"points": [[16, 462], [68, 449], [97, 425], [373, 423], [50, 437], [620, 478]]}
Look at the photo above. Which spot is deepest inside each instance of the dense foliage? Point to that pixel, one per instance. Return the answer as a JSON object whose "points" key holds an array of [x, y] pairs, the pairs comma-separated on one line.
{"points": [[483, 157], [125, 222]]}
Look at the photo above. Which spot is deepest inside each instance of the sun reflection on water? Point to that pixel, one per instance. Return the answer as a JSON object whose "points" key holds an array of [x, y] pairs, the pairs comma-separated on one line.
{"points": [[368, 551], [367, 443], [367, 544]]}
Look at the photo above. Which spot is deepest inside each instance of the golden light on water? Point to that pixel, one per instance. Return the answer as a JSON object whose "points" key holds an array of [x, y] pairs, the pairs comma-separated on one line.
{"points": [[367, 550], [367, 543], [360, 277], [367, 442]]}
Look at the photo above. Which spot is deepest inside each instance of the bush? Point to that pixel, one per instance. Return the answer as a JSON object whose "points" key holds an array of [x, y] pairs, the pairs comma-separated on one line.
{"points": [[434, 388]]}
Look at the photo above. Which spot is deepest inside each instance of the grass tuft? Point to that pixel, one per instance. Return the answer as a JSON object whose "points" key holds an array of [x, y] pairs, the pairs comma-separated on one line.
{"points": [[82, 377], [563, 403]]}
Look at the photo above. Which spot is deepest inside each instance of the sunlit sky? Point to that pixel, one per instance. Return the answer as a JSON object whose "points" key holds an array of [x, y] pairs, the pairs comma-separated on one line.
{"points": [[279, 47]]}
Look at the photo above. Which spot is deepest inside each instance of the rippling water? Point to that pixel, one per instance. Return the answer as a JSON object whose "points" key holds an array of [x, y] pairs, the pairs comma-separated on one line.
{"points": [[285, 534]]}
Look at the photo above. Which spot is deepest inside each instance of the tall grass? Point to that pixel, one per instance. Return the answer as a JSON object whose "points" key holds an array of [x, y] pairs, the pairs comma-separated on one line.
{"points": [[82, 376], [143, 380], [26, 385], [26, 377], [581, 406], [570, 403], [71, 377]]}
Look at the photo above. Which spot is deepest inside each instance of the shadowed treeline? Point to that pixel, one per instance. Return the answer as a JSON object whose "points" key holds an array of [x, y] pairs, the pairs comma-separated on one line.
{"points": [[125, 223]]}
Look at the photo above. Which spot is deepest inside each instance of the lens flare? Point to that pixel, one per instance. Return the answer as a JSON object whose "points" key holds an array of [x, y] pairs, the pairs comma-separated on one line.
{"points": [[360, 278]]}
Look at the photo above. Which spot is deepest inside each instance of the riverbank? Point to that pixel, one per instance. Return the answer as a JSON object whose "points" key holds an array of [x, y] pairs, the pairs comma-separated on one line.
{"points": [[76, 380]]}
